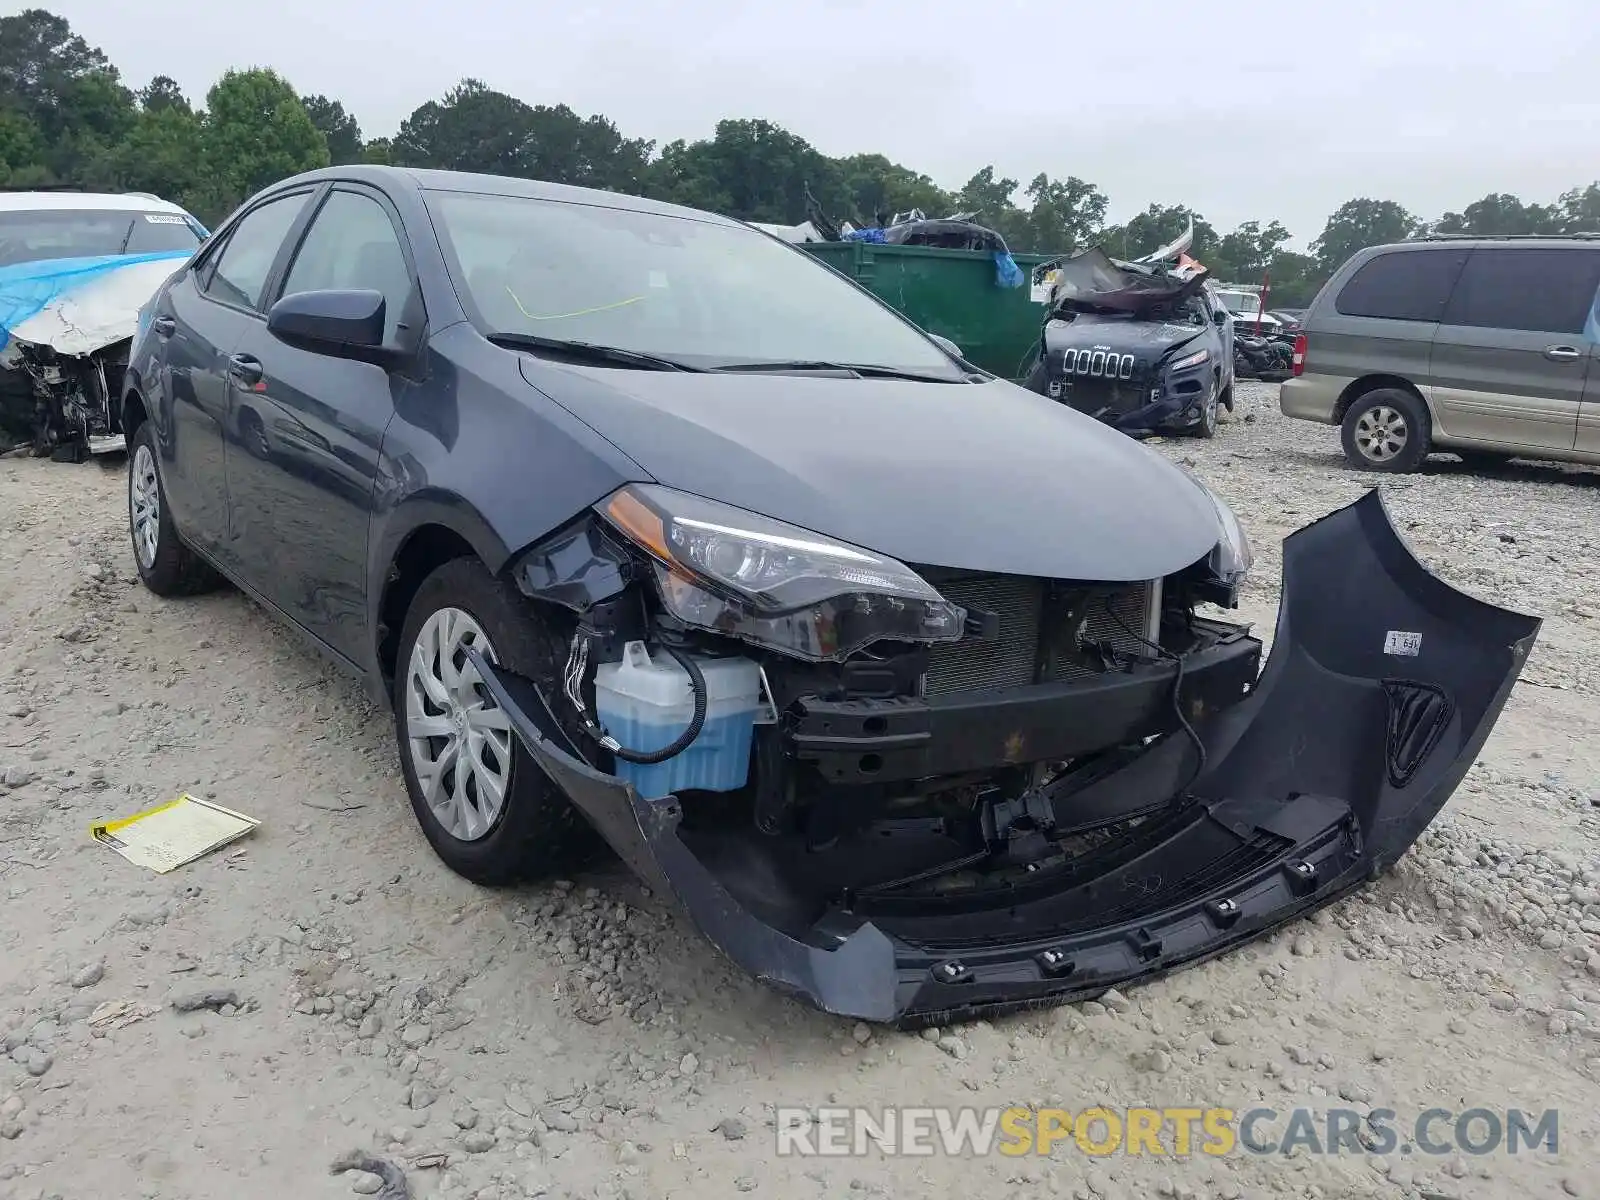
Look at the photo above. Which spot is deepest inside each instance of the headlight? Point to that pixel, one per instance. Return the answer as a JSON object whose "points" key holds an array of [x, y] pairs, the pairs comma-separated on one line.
{"points": [[1191, 360], [767, 582], [1231, 558]]}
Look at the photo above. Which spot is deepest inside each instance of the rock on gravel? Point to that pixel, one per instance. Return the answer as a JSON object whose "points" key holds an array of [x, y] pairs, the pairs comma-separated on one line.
{"points": [[215, 999]]}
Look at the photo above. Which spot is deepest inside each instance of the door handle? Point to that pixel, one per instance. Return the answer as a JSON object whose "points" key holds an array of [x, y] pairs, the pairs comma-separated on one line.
{"points": [[246, 368], [1562, 353], [164, 326]]}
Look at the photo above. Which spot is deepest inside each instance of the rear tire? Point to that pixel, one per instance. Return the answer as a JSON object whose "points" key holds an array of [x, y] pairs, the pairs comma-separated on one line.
{"points": [[166, 566], [498, 819], [1387, 430]]}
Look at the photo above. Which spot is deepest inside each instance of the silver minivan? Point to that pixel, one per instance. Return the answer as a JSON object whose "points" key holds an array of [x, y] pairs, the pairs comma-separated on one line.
{"points": [[1488, 348]]}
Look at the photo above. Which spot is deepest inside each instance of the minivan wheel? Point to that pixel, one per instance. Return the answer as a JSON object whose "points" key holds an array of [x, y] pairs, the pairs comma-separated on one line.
{"points": [[1386, 430], [166, 566], [487, 809]]}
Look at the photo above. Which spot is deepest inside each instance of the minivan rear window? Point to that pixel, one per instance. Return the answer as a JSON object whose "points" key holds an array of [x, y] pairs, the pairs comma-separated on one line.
{"points": [[1403, 285], [1538, 289]]}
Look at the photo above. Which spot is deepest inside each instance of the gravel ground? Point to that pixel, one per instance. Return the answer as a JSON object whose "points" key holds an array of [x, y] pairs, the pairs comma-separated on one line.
{"points": [[576, 1040]]}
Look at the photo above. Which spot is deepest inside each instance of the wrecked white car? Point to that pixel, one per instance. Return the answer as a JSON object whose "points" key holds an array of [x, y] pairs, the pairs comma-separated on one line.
{"points": [[75, 267]]}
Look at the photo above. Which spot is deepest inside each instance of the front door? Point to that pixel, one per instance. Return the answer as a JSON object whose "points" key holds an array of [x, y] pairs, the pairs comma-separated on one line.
{"points": [[307, 427], [1509, 358]]}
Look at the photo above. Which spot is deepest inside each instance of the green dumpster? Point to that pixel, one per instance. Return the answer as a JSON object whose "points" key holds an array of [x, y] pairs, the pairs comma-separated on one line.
{"points": [[948, 292]]}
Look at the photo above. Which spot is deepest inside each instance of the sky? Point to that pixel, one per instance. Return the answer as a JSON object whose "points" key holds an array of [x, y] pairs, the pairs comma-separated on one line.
{"points": [[1243, 111]]}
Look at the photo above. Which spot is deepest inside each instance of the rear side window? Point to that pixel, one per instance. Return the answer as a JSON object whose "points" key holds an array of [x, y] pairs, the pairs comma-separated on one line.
{"points": [[1403, 285], [1538, 289], [246, 261]]}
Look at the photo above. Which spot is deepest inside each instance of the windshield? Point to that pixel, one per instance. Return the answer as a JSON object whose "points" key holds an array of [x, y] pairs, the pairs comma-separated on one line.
{"points": [[40, 234], [1239, 302], [697, 291]]}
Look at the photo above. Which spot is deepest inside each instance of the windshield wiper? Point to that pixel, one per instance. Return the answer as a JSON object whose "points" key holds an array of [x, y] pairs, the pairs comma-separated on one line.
{"points": [[859, 370], [590, 352]]}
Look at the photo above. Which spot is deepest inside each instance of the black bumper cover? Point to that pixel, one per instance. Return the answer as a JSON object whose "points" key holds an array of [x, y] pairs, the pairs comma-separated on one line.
{"points": [[1381, 688]]}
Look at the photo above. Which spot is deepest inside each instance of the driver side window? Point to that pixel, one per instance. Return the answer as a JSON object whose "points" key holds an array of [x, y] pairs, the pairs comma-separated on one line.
{"points": [[352, 245]]}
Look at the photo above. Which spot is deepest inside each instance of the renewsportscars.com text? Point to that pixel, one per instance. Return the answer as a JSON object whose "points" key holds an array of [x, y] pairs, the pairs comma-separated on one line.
{"points": [[1173, 1132]]}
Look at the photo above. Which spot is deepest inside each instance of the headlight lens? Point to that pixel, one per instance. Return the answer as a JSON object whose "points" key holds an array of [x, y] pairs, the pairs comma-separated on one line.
{"points": [[1191, 360], [1232, 557], [771, 583]]}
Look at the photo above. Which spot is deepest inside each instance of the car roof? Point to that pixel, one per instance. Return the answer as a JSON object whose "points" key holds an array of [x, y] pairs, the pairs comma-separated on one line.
{"points": [[501, 185], [1442, 241], [85, 202]]}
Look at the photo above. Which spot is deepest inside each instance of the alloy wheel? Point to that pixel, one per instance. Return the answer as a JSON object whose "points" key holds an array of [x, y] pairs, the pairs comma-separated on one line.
{"points": [[144, 504], [460, 740], [1381, 433]]}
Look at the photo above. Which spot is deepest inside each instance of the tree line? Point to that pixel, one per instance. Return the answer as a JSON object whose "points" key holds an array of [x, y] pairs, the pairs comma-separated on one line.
{"points": [[67, 117]]}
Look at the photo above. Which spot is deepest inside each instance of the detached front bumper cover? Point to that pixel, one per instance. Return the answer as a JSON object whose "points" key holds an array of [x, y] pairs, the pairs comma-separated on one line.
{"points": [[1382, 685]]}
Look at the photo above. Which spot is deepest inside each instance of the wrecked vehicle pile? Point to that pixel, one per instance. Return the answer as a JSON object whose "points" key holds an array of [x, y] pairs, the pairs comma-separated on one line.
{"points": [[74, 270], [1142, 346], [898, 677]]}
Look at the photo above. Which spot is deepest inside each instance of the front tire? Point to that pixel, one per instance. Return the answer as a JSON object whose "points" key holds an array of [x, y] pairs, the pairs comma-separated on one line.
{"points": [[166, 566], [487, 809], [1207, 427], [1386, 430]]}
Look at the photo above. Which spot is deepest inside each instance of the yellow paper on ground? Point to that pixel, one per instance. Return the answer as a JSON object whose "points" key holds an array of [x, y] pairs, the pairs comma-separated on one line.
{"points": [[173, 834]]}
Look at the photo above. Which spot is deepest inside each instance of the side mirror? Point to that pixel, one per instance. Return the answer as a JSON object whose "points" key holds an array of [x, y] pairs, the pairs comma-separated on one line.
{"points": [[949, 347], [345, 323], [1220, 317]]}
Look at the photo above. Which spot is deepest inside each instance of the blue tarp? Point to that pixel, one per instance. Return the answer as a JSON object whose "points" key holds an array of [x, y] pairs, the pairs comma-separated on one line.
{"points": [[1006, 272], [25, 288]]}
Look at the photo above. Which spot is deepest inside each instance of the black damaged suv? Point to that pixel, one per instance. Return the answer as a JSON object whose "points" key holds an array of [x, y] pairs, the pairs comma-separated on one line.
{"points": [[1145, 350]]}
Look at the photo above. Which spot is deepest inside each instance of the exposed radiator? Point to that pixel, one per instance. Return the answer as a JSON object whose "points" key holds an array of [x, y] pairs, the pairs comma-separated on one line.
{"points": [[1031, 648]]}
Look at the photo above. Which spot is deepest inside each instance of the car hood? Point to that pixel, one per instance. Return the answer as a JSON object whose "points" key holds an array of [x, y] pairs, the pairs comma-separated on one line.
{"points": [[80, 305], [985, 477], [1150, 339]]}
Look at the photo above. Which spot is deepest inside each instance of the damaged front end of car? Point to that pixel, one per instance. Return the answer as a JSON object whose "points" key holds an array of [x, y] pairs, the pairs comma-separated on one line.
{"points": [[949, 792], [66, 329], [69, 406], [1127, 342]]}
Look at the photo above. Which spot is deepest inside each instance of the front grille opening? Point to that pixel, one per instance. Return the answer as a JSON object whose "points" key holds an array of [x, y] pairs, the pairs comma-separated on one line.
{"points": [[1040, 634]]}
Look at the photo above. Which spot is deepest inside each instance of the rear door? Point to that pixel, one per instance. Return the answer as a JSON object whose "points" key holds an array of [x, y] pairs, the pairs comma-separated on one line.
{"points": [[307, 429], [1510, 357], [206, 312], [1384, 315]]}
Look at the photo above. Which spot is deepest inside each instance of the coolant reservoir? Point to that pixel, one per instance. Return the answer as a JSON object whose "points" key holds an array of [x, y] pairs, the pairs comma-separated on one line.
{"points": [[646, 702]]}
